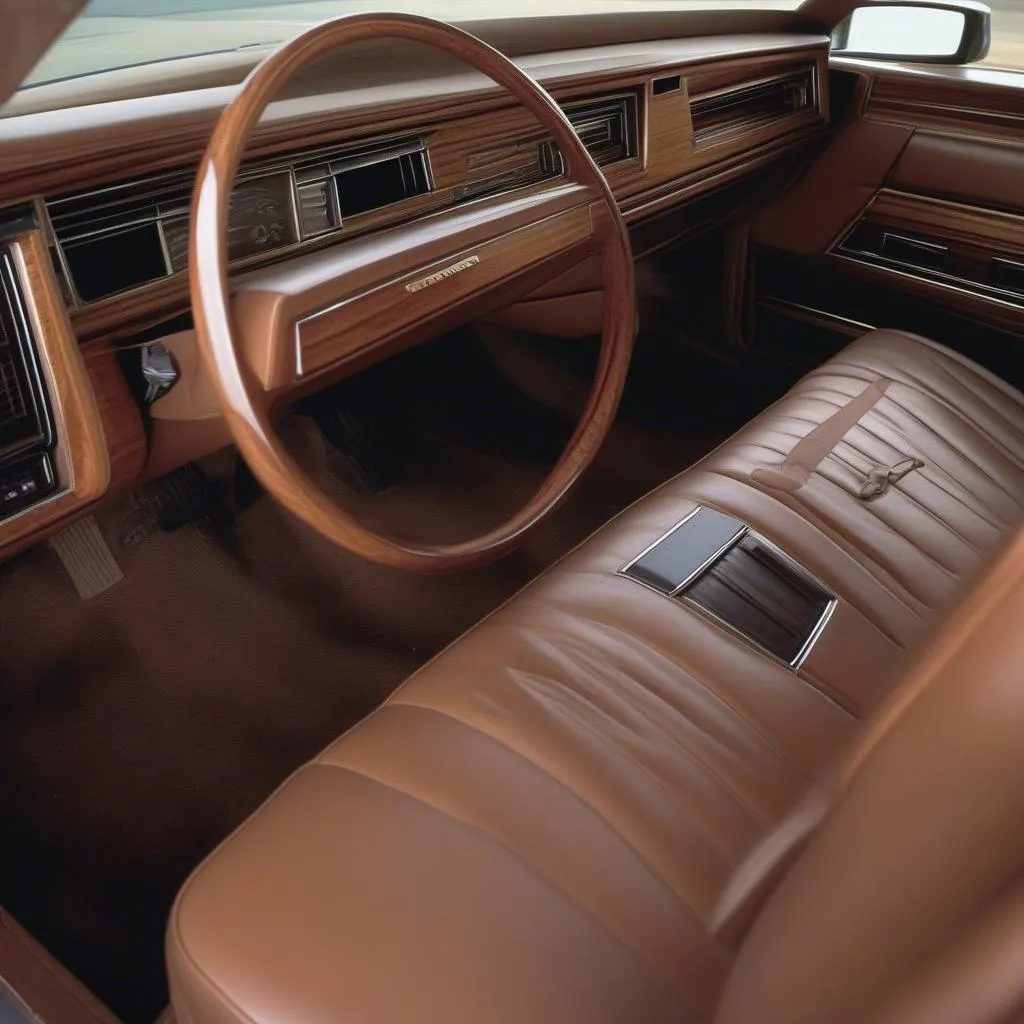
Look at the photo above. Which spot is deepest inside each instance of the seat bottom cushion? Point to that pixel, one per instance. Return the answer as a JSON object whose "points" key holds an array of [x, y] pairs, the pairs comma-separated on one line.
{"points": [[538, 824]]}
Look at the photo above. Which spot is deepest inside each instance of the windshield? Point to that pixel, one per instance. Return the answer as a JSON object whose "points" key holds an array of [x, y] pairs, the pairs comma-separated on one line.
{"points": [[113, 34]]}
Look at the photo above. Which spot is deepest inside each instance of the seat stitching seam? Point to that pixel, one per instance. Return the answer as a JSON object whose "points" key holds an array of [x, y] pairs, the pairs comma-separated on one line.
{"points": [[686, 667], [694, 757], [835, 537], [888, 527], [938, 474], [660, 783], [981, 399], [942, 438], [852, 707], [907, 496]]}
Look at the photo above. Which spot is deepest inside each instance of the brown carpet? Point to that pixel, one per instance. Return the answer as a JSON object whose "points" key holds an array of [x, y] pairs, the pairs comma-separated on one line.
{"points": [[138, 728]]}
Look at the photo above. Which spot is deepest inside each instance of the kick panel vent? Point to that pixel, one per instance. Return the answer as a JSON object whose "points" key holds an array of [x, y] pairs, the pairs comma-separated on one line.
{"points": [[720, 116]]}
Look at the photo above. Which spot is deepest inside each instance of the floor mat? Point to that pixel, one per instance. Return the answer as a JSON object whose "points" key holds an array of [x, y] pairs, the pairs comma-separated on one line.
{"points": [[139, 727]]}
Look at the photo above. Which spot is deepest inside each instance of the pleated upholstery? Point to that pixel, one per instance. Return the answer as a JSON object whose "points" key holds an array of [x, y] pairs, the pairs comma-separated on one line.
{"points": [[932, 533]]}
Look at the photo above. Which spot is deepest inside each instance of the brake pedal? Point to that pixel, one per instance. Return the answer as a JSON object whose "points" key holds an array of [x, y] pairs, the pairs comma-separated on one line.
{"points": [[364, 455], [181, 497]]}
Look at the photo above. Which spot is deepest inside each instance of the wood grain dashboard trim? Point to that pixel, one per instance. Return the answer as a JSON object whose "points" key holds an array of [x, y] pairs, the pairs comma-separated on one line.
{"points": [[81, 147], [100, 438], [513, 233], [329, 335], [667, 169]]}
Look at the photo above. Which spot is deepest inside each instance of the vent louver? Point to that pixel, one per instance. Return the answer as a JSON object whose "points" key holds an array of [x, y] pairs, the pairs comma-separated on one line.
{"points": [[607, 127], [721, 116], [114, 239], [26, 429], [24, 421]]}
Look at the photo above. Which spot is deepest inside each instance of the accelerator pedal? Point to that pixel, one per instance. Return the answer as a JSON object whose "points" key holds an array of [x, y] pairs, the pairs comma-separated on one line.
{"points": [[87, 558]]}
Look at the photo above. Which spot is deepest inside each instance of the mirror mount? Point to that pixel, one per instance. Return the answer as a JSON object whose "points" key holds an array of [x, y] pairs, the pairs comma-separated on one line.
{"points": [[975, 39]]}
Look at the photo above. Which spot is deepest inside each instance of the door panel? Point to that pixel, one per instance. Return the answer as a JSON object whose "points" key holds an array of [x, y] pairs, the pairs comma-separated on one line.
{"points": [[837, 188], [913, 218], [986, 171]]}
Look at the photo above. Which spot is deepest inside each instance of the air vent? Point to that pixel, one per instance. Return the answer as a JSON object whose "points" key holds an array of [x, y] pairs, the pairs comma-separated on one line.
{"points": [[26, 430], [516, 165], [118, 238], [720, 116], [112, 239], [378, 179], [24, 421], [607, 128]]}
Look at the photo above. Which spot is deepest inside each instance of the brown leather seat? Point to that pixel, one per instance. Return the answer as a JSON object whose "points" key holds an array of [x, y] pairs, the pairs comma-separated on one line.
{"points": [[541, 823]]}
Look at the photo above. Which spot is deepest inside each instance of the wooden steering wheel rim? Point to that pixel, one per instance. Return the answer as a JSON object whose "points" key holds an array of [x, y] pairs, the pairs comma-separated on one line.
{"points": [[241, 396]]}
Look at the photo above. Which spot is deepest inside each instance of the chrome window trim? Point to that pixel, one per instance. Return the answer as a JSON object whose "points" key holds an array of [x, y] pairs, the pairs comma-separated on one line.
{"points": [[949, 282]]}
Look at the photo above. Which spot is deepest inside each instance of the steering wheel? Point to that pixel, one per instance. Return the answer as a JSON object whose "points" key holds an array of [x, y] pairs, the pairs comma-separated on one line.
{"points": [[467, 252]]}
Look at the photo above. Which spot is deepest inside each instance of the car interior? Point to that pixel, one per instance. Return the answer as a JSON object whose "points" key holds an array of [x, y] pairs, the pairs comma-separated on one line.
{"points": [[512, 512]]}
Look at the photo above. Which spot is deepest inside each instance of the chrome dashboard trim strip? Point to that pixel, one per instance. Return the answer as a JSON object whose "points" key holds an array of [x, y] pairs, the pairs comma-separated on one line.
{"points": [[815, 634]]}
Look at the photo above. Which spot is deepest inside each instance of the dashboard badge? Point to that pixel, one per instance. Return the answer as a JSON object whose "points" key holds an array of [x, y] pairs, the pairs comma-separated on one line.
{"points": [[443, 275]]}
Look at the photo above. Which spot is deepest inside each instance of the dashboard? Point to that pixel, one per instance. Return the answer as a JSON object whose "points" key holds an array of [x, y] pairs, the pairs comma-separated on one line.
{"points": [[94, 218]]}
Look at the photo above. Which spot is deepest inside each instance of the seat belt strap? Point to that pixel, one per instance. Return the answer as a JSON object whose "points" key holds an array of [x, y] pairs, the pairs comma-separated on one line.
{"points": [[812, 450]]}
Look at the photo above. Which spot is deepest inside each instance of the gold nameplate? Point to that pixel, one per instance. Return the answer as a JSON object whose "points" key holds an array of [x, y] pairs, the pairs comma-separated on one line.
{"points": [[443, 275]]}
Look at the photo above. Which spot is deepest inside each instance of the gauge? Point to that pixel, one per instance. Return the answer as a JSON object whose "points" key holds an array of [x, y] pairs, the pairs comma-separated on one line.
{"points": [[260, 218]]}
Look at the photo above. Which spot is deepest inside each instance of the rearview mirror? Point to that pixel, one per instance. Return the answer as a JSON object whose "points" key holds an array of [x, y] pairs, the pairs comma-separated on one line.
{"points": [[953, 32]]}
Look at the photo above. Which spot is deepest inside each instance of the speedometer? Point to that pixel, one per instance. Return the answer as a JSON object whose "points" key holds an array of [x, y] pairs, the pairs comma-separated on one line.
{"points": [[260, 217]]}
